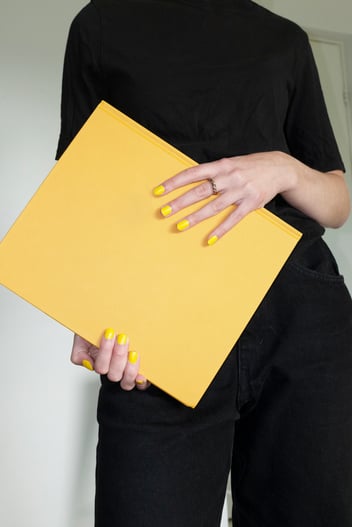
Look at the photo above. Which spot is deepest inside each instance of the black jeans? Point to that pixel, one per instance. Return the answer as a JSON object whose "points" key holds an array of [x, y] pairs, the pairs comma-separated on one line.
{"points": [[278, 414]]}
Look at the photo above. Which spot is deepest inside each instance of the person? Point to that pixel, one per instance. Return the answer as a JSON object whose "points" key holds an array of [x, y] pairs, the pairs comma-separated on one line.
{"points": [[235, 87]]}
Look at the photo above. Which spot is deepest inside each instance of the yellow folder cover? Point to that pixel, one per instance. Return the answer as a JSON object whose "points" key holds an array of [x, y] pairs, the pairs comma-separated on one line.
{"points": [[92, 250]]}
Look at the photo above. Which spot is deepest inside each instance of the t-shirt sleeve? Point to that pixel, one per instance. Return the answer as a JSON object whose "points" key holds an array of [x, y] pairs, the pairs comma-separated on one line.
{"points": [[82, 83], [309, 134]]}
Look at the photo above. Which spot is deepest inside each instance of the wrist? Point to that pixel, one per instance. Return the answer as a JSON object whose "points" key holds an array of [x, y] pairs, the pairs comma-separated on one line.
{"points": [[290, 174]]}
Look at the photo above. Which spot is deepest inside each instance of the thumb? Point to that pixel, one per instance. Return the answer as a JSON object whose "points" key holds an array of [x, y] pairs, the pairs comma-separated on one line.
{"points": [[83, 353]]}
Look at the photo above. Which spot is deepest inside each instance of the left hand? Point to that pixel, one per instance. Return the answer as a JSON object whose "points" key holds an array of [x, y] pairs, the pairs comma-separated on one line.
{"points": [[113, 358], [249, 182]]}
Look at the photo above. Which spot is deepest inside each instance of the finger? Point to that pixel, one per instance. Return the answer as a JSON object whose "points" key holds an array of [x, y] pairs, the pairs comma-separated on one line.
{"points": [[230, 221], [190, 175], [130, 373], [142, 383], [196, 194], [83, 353], [118, 358], [102, 361], [210, 209]]}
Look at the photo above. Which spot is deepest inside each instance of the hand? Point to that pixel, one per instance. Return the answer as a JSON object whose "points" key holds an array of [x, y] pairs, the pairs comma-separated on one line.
{"points": [[112, 359], [245, 182]]}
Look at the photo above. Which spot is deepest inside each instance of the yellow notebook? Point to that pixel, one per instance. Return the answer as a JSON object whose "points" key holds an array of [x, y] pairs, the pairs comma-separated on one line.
{"points": [[92, 250]]}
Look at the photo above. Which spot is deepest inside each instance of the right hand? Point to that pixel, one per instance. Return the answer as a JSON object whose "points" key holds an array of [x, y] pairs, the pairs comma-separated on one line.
{"points": [[112, 358]]}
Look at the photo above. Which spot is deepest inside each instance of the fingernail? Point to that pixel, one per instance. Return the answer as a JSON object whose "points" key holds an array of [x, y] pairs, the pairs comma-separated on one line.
{"points": [[87, 365], [109, 334], [166, 211], [141, 381], [132, 357], [122, 339], [212, 240], [182, 225], [159, 190]]}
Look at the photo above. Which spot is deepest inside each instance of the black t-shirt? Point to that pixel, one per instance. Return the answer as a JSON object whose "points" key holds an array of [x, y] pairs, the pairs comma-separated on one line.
{"points": [[215, 78]]}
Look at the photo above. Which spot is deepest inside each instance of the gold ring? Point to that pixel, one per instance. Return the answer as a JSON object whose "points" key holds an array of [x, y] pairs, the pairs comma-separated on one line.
{"points": [[213, 186]]}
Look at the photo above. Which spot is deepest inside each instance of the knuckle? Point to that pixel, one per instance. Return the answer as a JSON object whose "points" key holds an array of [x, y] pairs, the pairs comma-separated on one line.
{"points": [[114, 376], [171, 185], [119, 352], [187, 173], [127, 386], [256, 196], [180, 179], [192, 172], [239, 178], [101, 368], [217, 205], [202, 191], [225, 164], [128, 380], [93, 353], [240, 215], [221, 230]]}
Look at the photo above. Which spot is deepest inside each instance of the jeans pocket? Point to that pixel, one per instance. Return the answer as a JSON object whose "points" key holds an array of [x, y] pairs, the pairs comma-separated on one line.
{"points": [[316, 262]]}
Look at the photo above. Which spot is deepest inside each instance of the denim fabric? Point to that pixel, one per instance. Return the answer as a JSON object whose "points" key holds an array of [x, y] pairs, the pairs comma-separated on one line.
{"points": [[279, 411]]}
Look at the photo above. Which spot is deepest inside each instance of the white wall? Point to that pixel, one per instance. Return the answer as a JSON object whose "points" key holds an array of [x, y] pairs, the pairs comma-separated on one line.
{"points": [[47, 406], [319, 14]]}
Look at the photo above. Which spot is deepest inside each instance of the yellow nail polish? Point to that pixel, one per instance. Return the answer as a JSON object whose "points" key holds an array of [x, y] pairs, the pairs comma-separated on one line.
{"points": [[182, 225], [166, 211], [159, 190], [109, 334], [141, 381], [122, 339], [132, 357], [212, 240], [87, 365]]}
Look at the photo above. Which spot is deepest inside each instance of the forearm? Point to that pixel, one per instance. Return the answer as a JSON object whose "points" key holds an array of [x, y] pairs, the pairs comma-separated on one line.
{"points": [[323, 196]]}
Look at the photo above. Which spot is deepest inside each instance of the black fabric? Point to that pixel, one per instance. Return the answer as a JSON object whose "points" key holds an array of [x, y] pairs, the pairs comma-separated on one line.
{"points": [[229, 78], [280, 407]]}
